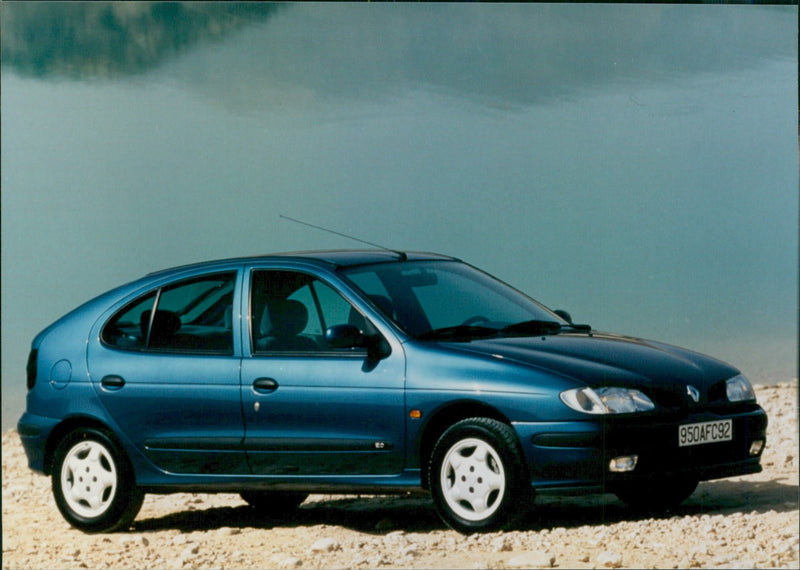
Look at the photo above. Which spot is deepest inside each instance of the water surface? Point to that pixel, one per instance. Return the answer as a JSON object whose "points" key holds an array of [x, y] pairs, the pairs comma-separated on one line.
{"points": [[636, 165]]}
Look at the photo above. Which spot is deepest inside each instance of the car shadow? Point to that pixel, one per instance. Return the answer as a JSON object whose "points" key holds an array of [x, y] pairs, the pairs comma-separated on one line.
{"points": [[380, 515], [369, 514], [721, 497]]}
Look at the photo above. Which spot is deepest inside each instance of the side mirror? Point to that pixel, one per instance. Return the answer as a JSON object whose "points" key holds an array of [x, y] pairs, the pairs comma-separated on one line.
{"points": [[348, 336], [344, 336], [564, 315], [567, 317]]}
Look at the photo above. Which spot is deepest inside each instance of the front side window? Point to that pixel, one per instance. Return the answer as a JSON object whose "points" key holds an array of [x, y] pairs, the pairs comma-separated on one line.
{"points": [[290, 312], [194, 315]]}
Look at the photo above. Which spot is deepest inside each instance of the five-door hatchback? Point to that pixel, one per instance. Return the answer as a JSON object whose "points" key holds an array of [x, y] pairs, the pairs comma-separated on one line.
{"points": [[367, 372]]}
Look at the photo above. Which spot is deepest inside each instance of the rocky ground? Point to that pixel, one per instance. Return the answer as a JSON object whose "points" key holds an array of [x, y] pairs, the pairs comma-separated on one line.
{"points": [[745, 522]]}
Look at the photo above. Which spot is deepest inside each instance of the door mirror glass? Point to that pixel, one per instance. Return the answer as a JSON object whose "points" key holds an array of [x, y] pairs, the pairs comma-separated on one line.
{"points": [[344, 336]]}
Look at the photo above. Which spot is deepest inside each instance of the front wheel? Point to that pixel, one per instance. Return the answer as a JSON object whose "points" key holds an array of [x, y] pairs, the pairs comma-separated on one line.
{"points": [[93, 484], [477, 476]]}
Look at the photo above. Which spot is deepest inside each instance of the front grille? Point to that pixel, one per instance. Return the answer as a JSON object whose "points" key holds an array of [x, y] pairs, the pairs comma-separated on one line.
{"points": [[717, 394]]}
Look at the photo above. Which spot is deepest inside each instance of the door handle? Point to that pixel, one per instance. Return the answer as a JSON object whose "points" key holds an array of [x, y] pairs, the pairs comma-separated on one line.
{"points": [[112, 382], [265, 385]]}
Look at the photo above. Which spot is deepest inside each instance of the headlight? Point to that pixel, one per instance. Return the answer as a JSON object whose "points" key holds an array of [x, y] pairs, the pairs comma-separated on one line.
{"points": [[607, 400], [738, 389]]}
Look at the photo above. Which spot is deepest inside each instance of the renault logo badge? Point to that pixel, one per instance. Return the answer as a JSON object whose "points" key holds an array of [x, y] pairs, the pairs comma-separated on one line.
{"points": [[693, 392]]}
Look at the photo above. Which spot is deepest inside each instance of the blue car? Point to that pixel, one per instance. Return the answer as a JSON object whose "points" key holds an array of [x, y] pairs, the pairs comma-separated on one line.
{"points": [[367, 372]]}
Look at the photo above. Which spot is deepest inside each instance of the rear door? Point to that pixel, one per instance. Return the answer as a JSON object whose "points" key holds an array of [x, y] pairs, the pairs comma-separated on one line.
{"points": [[166, 366]]}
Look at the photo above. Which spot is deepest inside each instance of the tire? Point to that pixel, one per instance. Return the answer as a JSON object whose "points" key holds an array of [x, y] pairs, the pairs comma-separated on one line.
{"points": [[93, 483], [273, 503], [477, 476], [656, 495]]}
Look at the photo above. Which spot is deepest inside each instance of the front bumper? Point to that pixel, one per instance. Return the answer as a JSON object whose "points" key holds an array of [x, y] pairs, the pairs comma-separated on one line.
{"points": [[564, 456]]}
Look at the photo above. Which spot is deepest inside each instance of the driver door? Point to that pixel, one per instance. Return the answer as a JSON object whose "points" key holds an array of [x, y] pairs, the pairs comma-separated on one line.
{"points": [[310, 409]]}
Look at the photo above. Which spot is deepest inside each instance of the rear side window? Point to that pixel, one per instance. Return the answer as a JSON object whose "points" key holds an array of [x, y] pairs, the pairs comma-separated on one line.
{"points": [[194, 315]]}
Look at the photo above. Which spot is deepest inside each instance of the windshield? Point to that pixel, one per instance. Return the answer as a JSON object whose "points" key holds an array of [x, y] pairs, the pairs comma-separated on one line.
{"points": [[450, 300]]}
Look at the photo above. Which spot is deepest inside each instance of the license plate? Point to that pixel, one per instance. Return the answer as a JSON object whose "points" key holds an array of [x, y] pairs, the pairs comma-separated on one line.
{"points": [[705, 432]]}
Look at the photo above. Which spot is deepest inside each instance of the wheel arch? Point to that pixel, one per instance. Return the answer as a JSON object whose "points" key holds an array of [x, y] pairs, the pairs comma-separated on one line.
{"points": [[445, 417], [66, 427]]}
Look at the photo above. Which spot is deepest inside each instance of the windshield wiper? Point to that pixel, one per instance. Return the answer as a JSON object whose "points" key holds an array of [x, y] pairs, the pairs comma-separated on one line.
{"points": [[533, 328], [465, 333], [459, 333]]}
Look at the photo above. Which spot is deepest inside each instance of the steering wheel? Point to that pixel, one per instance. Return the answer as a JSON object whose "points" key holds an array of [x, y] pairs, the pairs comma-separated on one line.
{"points": [[474, 320]]}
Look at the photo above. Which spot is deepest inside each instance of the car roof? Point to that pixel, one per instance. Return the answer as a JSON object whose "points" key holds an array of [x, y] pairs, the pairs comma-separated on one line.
{"points": [[333, 258], [351, 257]]}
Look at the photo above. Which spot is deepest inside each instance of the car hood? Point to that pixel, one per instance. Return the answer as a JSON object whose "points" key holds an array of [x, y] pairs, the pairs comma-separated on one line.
{"points": [[603, 359]]}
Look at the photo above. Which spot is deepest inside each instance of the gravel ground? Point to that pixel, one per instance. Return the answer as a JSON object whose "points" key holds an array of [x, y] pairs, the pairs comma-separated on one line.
{"points": [[744, 522]]}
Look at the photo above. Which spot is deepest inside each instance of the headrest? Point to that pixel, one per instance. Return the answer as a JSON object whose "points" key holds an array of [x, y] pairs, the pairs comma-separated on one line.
{"points": [[288, 318]]}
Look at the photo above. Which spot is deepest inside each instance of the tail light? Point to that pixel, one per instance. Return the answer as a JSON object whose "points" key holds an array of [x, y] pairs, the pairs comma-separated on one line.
{"points": [[31, 368]]}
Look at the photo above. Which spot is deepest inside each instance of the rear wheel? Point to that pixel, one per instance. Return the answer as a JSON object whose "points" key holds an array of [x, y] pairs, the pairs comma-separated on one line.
{"points": [[477, 476], [93, 482], [273, 503], [658, 494]]}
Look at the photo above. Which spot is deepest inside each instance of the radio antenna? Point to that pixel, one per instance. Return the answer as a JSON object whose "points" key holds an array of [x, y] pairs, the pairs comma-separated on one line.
{"points": [[400, 253]]}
